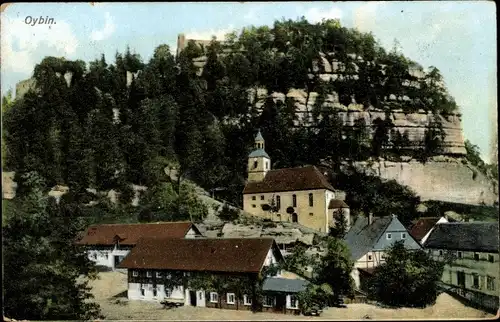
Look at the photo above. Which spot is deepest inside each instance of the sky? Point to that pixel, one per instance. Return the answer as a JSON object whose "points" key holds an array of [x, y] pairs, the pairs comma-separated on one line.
{"points": [[458, 37]]}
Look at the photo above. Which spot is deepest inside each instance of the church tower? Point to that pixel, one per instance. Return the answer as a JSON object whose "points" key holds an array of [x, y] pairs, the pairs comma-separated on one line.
{"points": [[259, 163]]}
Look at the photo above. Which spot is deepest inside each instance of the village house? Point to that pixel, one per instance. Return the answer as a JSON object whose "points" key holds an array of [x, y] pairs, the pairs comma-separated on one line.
{"points": [[163, 269], [368, 240], [422, 227], [473, 272], [301, 195], [108, 244]]}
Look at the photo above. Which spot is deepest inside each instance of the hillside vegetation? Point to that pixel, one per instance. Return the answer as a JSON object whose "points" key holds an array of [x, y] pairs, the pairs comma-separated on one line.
{"points": [[98, 130]]}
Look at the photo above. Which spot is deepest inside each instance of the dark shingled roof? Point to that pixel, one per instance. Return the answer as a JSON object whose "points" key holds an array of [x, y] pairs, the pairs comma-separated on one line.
{"points": [[466, 236], [336, 203], [239, 255], [362, 237], [422, 226], [290, 179], [129, 234], [284, 285]]}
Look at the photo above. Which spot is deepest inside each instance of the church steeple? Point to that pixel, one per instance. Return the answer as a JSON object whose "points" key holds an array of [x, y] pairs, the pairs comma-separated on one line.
{"points": [[259, 161]]}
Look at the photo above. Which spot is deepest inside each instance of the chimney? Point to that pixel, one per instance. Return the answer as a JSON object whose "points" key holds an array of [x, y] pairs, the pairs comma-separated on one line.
{"points": [[370, 218]]}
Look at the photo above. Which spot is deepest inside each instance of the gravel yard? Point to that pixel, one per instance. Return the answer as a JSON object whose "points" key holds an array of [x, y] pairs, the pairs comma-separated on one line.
{"points": [[110, 293]]}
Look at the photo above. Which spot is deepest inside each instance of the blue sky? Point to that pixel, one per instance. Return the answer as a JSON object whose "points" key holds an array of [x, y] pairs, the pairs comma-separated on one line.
{"points": [[459, 38]]}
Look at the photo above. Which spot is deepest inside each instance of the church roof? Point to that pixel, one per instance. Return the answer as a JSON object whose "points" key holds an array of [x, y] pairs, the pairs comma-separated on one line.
{"points": [[290, 179], [336, 203], [258, 153], [259, 137]]}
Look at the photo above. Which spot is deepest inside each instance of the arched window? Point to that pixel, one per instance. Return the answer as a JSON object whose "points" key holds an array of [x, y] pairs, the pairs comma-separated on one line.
{"points": [[278, 202], [255, 163], [311, 200], [294, 201]]}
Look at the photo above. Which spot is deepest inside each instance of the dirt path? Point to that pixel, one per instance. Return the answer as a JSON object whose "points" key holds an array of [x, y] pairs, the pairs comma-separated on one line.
{"points": [[110, 293]]}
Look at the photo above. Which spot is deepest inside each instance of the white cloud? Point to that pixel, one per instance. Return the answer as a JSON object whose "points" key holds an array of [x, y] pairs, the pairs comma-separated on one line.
{"points": [[108, 29], [208, 34], [365, 15], [58, 37], [315, 15]]}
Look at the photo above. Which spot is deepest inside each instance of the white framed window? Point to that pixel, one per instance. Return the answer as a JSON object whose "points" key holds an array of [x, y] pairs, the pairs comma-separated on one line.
{"points": [[214, 297], [388, 236], [158, 274], [247, 300], [231, 298], [135, 273], [294, 302], [403, 235], [149, 274], [268, 301]]}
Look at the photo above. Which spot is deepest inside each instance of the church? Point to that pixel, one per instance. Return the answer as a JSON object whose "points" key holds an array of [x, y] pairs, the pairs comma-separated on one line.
{"points": [[301, 195]]}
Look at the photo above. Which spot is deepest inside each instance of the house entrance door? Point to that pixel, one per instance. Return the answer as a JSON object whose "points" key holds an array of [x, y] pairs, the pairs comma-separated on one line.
{"points": [[280, 303], [192, 298]]}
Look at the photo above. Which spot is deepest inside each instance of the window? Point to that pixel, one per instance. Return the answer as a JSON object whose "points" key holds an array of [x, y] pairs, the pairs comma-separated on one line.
{"points": [[158, 274], [214, 297], [294, 302], [388, 236], [267, 165], [230, 298], [148, 274], [253, 206], [261, 197], [440, 253], [461, 279], [403, 235], [490, 283], [491, 258], [200, 295], [247, 300], [311, 214], [294, 201], [369, 257], [168, 292], [255, 163], [459, 254], [476, 256], [278, 202], [311, 200], [135, 273], [253, 197], [268, 301], [475, 281]]}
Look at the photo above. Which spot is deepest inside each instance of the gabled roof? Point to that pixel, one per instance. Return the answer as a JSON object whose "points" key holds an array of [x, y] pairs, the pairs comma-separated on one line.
{"points": [[361, 238], [336, 203], [422, 226], [129, 234], [466, 236], [238, 255], [275, 284], [290, 179]]}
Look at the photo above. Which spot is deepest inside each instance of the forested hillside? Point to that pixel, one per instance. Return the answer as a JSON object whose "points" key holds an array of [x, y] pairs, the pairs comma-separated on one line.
{"points": [[95, 126]]}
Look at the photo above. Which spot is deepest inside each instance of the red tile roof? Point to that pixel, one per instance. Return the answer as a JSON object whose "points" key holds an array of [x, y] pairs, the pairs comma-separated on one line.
{"points": [[241, 255], [336, 203], [290, 179], [129, 234], [422, 226]]}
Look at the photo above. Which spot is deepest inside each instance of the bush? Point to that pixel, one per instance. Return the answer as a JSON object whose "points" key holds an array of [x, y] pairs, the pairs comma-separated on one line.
{"points": [[228, 213], [407, 279]]}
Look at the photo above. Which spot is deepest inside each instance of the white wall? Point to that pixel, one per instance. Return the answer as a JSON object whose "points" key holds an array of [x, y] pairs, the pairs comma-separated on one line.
{"points": [[134, 292], [106, 257]]}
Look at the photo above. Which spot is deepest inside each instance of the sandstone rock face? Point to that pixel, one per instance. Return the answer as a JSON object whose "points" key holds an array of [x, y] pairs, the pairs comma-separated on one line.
{"points": [[414, 124], [449, 180]]}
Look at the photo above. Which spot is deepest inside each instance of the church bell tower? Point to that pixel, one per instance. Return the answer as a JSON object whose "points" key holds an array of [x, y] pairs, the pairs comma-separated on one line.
{"points": [[259, 162]]}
